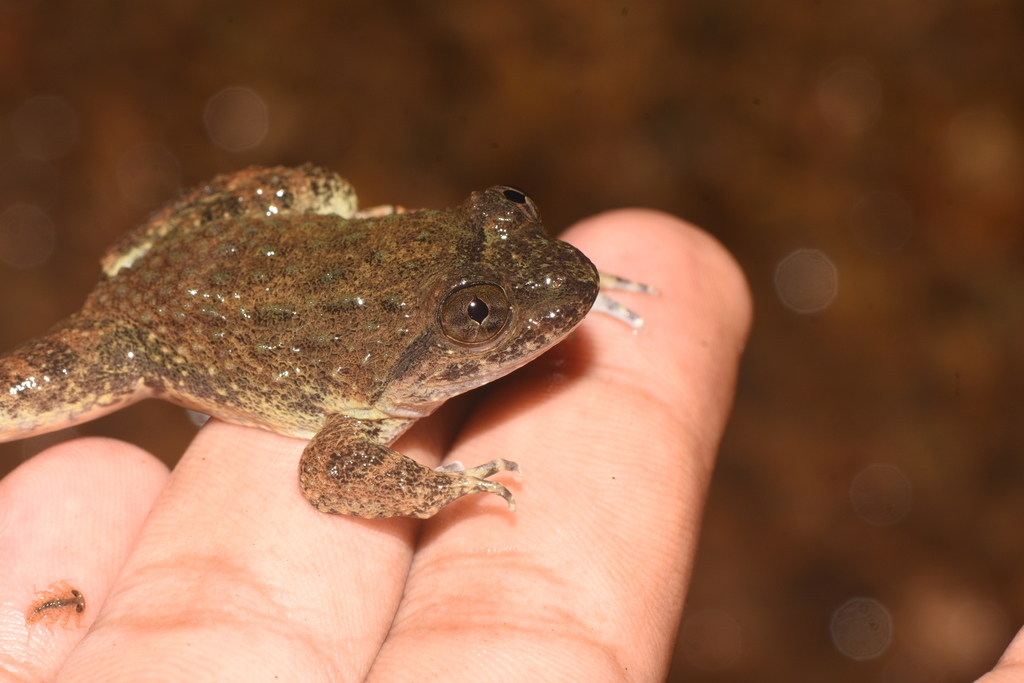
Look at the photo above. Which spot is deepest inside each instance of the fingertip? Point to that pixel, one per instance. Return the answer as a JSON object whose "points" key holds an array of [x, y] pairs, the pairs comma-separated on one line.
{"points": [[696, 330], [672, 255], [69, 514], [89, 468], [94, 475]]}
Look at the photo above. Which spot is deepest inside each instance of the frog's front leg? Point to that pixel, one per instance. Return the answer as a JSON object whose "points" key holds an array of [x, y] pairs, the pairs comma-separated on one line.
{"points": [[346, 470], [81, 369]]}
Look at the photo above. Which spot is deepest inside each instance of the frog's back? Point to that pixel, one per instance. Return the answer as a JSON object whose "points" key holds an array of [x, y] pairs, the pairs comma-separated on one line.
{"points": [[318, 309], [95, 361]]}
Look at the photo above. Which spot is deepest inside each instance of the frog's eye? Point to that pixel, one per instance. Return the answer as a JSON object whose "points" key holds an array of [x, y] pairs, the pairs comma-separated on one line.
{"points": [[521, 199], [514, 195], [474, 314]]}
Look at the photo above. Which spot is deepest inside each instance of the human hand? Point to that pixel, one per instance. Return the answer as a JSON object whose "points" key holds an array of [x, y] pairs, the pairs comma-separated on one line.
{"points": [[222, 570]]}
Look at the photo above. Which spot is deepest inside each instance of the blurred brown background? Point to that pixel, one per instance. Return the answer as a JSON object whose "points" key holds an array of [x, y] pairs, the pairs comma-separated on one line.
{"points": [[864, 161]]}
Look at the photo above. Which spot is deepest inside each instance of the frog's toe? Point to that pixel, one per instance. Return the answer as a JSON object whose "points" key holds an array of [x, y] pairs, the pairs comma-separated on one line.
{"points": [[485, 470], [489, 468], [484, 486]]}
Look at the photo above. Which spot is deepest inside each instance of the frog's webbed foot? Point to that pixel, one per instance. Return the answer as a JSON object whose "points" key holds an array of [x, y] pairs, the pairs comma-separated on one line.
{"points": [[609, 306], [346, 470]]}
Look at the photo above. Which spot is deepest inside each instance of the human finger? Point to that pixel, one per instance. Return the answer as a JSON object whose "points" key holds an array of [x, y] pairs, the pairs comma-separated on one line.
{"points": [[236, 577], [68, 519], [616, 434]]}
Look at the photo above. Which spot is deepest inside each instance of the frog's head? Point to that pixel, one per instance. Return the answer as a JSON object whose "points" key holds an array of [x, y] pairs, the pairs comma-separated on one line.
{"points": [[511, 294]]}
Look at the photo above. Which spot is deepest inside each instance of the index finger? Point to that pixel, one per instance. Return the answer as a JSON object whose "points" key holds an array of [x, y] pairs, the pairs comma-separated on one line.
{"points": [[616, 434]]}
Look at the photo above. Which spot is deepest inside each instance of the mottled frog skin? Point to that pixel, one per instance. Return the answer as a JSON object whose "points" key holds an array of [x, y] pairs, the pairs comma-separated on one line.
{"points": [[265, 298]]}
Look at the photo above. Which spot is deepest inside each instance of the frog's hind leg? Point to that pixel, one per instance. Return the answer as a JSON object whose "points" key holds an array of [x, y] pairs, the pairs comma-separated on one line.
{"points": [[81, 369], [346, 470]]}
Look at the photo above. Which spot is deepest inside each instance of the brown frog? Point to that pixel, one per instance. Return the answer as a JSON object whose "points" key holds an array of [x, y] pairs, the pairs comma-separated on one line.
{"points": [[266, 299]]}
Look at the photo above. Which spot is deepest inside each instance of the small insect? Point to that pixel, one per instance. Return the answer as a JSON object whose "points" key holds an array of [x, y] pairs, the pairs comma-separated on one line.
{"points": [[60, 603]]}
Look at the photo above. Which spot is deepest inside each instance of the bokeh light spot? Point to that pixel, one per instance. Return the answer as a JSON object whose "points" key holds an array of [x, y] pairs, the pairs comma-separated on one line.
{"points": [[849, 98], [881, 223], [236, 119], [45, 127], [806, 281], [881, 494], [148, 174], [26, 236], [711, 639], [861, 628]]}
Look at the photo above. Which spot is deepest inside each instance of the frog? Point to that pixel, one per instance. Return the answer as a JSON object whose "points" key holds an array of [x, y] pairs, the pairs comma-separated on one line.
{"points": [[267, 298]]}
